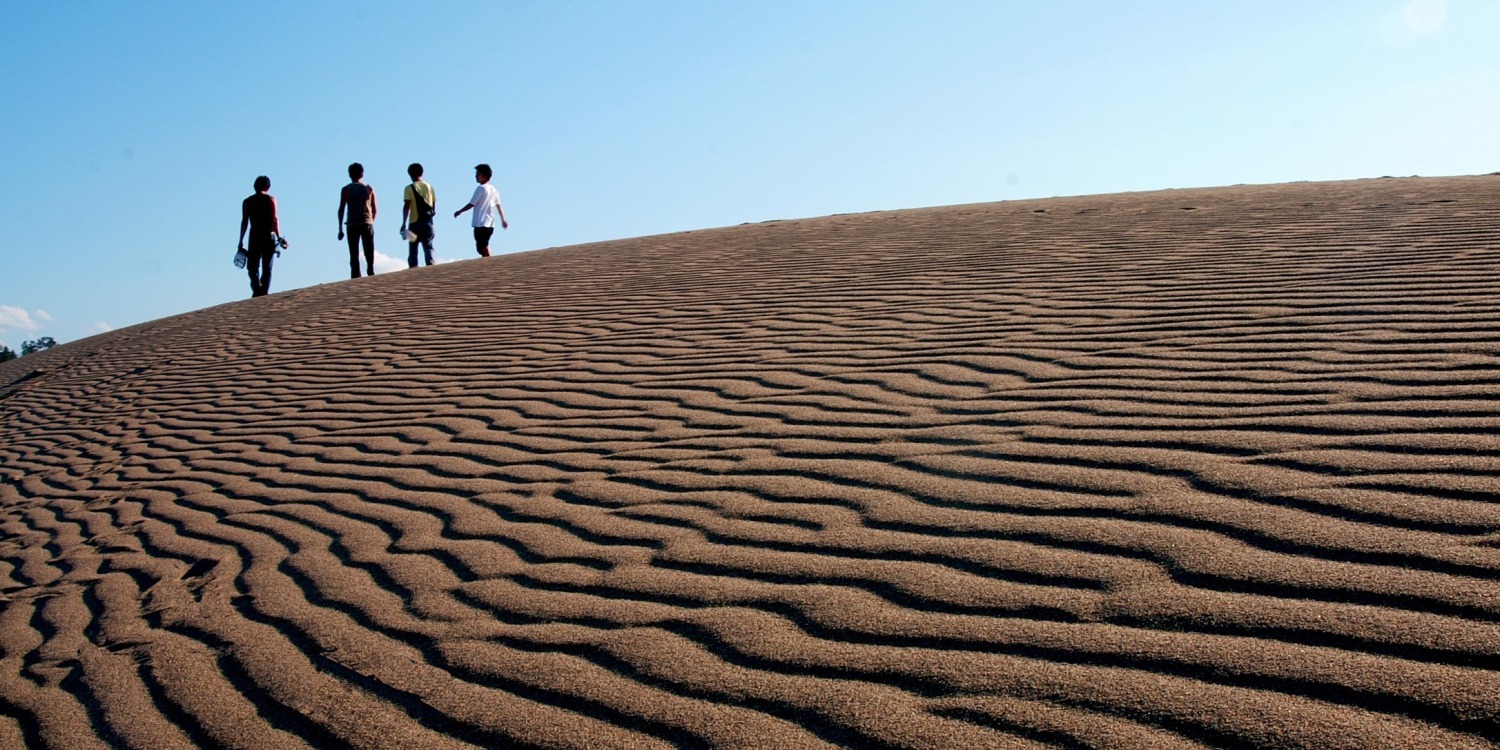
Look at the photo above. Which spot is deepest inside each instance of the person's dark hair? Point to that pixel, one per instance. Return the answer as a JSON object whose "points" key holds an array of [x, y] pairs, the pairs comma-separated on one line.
{"points": [[485, 170], [415, 170], [356, 171], [262, 183]]}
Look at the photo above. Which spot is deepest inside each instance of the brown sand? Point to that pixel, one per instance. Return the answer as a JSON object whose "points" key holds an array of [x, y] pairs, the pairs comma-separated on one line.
{"points": [[1196, 468]]}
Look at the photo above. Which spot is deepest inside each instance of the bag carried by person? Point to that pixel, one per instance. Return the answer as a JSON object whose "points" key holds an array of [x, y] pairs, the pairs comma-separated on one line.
{"points": [[241, 258], [425, 212]]}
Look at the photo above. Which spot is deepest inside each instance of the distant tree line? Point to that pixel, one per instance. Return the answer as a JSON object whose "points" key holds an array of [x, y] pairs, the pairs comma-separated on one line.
{"points": [[27, 347]]}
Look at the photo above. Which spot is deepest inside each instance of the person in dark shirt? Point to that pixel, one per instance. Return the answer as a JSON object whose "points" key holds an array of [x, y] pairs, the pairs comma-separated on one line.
{"points": [[258, 214], [359, 198]]}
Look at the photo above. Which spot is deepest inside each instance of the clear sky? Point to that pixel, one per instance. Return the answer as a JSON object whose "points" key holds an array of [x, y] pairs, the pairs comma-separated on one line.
{"points": [[132, 131]]}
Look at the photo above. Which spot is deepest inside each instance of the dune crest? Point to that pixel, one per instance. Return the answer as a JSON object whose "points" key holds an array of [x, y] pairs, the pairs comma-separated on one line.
{"points": [[1192, 468]]}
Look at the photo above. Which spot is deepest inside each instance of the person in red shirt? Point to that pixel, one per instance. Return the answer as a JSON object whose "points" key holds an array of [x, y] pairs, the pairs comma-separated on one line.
{"points": [[258, 215]]}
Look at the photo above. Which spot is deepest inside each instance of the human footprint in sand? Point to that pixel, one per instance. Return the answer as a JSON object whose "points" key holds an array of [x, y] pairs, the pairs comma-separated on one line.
{"points": [[486, 205]]}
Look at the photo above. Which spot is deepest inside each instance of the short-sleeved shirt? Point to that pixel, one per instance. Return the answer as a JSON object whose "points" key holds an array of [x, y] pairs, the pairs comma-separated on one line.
{"points": [[486, 202], [428, 194], [361, 199]]}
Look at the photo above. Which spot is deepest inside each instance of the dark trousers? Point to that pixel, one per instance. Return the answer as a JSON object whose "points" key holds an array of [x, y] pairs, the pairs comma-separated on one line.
{"points": [[259, 265], [357, 233], [482, 240], [423, 231]]}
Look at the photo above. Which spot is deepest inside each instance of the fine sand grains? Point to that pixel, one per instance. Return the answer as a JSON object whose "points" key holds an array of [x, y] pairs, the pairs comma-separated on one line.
{"points": [[1200, 468]]}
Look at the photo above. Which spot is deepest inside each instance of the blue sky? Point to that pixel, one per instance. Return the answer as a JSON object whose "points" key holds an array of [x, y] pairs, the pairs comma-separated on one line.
{"points": [[132, 131]]}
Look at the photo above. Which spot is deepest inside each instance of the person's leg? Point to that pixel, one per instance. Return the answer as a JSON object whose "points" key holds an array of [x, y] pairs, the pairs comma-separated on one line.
{"points": [[425, 237], [482, 240], [253, 266], [265, 271], [411, 251], [353, 252], [258, 263], [368, 237]]}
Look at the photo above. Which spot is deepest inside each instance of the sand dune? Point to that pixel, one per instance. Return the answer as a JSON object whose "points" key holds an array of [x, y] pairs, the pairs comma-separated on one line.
{"points": [[1199, 468]]}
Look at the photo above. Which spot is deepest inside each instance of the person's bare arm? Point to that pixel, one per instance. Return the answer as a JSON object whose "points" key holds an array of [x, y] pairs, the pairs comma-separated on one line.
{"points": [[275, 218], [373, 209], [343, 201], [244, 223]]}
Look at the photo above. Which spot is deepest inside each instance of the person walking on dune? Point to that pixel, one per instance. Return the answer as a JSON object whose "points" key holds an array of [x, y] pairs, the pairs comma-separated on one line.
{"points": [[486, 205], [258, 214], [419, 204], [359, 199]]}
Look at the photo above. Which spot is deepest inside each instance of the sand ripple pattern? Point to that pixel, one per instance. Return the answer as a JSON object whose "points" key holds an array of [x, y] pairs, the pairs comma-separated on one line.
{"points": [[1204, 468]]}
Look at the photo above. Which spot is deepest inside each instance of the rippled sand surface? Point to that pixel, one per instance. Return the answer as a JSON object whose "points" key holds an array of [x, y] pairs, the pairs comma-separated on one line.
{"points": [[1197, 468]]}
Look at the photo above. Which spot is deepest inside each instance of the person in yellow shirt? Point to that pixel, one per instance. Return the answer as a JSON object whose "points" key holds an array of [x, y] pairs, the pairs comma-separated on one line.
{"points": [[419, 206]]}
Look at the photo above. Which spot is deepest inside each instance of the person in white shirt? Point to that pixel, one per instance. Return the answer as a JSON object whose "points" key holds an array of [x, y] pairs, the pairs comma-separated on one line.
{"points": [[486, 205]]}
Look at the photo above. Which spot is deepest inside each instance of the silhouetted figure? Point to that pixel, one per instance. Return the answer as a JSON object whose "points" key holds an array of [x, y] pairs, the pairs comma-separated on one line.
{"points": [[486, 205], [419, 204], [258, 214], [359, 198]]}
